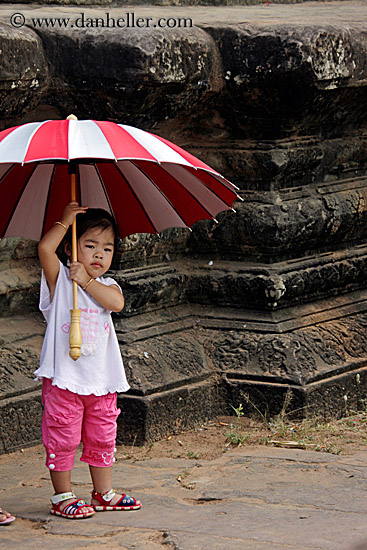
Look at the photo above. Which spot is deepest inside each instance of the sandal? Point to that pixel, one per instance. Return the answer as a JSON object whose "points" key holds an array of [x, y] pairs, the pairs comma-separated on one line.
{"points": [[71, 510], [8, 519], [125, 502]]}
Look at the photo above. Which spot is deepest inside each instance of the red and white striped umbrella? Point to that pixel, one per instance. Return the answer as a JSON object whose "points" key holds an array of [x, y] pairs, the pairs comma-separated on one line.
{"points": [[147, 183]]}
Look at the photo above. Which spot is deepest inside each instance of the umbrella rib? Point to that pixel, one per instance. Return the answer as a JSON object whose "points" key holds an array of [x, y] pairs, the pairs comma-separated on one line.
{"points": [[18, 199], [7, 172], [216, 194], [193, 196], [137, 198], [161, 192], [48, 198], [104, 190]]}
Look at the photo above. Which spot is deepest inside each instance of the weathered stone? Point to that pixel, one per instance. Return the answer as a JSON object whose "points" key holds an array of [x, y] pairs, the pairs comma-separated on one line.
{"points": [[162, 73], [155, 416], [23, 70], [20, 421], [161, 363], [19, 276], [16, 370]]}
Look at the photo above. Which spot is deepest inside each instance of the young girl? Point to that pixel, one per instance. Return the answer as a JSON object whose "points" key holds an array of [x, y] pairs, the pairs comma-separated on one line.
{"points": [[80, 396]]}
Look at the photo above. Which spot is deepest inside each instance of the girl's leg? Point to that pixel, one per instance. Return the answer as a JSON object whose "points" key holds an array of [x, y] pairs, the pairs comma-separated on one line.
{"points": [[99, 436], [102, 483], [61, 439], [61, 482]]}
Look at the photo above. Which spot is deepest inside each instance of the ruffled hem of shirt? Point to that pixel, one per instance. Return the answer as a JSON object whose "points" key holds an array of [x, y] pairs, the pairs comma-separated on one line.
{"points": [[84, 391]]}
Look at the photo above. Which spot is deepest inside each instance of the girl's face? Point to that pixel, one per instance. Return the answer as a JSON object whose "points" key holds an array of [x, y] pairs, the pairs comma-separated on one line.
{"points": [[95, 250]]}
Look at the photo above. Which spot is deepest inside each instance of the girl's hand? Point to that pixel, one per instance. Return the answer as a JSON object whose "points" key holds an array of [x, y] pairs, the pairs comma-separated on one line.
{"points": [[71, 211], [78, 273]]}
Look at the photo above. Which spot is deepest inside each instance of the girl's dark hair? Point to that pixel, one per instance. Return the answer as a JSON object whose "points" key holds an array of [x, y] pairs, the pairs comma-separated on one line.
{"points": [[93, 218]]}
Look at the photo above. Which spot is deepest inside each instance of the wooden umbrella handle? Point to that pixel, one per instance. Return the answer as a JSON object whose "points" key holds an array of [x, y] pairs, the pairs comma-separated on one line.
{"points": [[75, 335]]}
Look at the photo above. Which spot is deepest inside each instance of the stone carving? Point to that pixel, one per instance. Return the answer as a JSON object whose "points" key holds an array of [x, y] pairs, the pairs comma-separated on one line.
{"points": [[150, 86], [20, 423], [130, 242], [160, 363], [282, 356], [16, 369], [326, 343], [286, 356], [353, 337], [24, 72], [332, 59], [274, 290], [233, 351], [297, 357]]}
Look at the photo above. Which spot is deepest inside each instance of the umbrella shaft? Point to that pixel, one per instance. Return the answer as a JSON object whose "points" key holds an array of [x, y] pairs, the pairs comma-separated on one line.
{"points": [[75, 295], [74, 241]]}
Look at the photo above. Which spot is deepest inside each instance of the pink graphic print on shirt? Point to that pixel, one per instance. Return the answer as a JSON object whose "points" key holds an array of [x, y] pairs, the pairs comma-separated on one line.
{"points": [[66, 328], [89, 330]]}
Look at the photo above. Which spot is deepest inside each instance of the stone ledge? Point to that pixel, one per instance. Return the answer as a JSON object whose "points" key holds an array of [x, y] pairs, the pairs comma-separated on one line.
{"points": [[20, 421], [285, 79], [195, 317], [323, 399], [285, 164], [274, 226], [147, 419], [246, 285]]}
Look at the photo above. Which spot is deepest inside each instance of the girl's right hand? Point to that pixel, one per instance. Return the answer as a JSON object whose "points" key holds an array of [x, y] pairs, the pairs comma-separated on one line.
{"points": [[70, 212]]}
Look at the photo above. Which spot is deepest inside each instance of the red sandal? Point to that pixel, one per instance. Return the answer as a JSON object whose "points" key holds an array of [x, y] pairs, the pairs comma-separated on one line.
{"points": [[71, 510], [125, 502]]}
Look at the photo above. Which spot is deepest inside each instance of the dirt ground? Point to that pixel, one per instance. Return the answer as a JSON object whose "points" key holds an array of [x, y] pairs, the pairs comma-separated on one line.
{"points": [[215, 437]]}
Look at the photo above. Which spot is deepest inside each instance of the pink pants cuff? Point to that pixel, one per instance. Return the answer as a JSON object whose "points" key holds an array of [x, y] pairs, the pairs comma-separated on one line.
{"points": [[59, 461], [101, 459]]}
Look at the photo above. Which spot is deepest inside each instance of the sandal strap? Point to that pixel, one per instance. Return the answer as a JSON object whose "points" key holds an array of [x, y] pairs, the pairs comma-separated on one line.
{"points": [[107, 496], [55, 499], [72, 509]]}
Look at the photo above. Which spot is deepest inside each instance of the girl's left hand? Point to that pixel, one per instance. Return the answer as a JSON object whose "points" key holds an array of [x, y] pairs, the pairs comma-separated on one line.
{"points": [[78, 273]]}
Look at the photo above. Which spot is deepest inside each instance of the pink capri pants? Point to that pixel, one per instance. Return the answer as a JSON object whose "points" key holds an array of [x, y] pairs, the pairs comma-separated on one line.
{"points": [[70, 418]]}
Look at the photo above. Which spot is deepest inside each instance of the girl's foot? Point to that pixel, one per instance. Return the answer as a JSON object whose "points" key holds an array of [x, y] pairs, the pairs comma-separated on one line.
{"points": [[110, 500], [5, 517], [68, 506]]}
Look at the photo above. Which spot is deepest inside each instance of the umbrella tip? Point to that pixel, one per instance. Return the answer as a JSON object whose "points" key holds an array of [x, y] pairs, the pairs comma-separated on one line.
{"points": [[71, 117]]}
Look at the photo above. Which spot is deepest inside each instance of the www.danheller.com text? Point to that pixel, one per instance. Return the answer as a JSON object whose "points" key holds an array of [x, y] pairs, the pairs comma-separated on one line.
{"points": [[128, 20]]}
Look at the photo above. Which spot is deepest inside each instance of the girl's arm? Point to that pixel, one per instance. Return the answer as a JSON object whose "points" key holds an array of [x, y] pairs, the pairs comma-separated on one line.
{"points": [[48, 244], [109, 297]]}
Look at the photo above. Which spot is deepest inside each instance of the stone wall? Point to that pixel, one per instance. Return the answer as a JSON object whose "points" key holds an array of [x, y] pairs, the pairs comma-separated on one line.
{"points": [[272, 297]]}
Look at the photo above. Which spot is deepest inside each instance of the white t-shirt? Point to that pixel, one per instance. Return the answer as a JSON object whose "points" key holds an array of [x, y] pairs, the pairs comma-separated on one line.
{"points": [[99, 369]]}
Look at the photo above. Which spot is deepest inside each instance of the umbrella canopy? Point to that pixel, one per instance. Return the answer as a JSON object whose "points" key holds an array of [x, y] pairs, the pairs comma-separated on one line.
{"points": [[147, 183]]}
